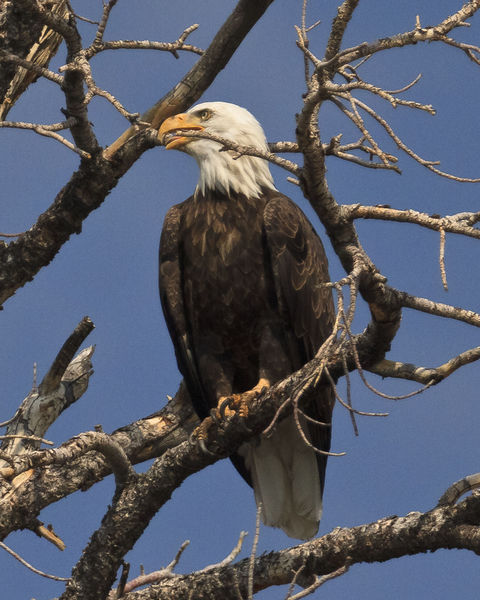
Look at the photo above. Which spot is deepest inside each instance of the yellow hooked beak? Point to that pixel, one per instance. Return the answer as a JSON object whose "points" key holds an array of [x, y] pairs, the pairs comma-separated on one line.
{"points": [[170, 130]]}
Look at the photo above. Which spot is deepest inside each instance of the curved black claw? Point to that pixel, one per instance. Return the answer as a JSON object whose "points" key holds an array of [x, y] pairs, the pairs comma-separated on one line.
{"points": [[230, 403], [193, 439], [224, 404], [203, 447]]}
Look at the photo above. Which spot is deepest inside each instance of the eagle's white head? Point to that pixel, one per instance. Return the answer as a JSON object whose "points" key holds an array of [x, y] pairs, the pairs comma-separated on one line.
{"points": [[220, 170]]}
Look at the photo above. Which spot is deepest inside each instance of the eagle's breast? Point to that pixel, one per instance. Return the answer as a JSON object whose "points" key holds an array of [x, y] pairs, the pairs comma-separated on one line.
{"points": [[225, 272]]}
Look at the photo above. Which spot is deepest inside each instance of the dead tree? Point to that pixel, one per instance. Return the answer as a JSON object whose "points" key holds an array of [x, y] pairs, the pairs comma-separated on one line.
{"points": [[34, 478]]}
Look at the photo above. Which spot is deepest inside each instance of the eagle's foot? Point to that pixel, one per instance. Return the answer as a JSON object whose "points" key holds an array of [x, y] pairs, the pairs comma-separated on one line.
{"points": [[234, 405], [237, 404], [230, 407]]}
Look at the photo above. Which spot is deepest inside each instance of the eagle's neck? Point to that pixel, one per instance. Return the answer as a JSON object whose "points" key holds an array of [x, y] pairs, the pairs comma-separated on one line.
{"points": [[220, 171]]}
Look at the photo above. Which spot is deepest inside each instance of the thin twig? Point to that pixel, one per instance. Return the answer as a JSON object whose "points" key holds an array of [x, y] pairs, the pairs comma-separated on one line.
{"points": [[107, 8], [432, 375], [245, 150], [231, 556], [29, 566], [438, 308], [319, 581], [371, 387], [251, 566], [48, 534], [31, 66], [429, 164], [350, 408], [123, 579], [291, 587], [461, 223], [149, 578], [47, 131], [441, 259]]}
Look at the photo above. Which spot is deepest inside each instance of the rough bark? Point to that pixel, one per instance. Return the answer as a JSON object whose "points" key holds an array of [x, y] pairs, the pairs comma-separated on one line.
{"points": [[444, 527]]}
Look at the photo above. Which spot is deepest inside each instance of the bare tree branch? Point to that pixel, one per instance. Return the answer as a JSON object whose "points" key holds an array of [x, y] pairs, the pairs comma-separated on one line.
{"points": [[173, 47], [78, 446], [419, 34], [339, 25], [201, 75], [29, 566], [43, 477], [240, 150], [459, 488], [28, 46], [329, 556], [425, 375], [461, 223], [66, 381], [90, 185]]}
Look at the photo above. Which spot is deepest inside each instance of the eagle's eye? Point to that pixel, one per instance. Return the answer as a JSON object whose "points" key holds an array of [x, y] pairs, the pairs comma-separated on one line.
{"points": [[205, 114]]}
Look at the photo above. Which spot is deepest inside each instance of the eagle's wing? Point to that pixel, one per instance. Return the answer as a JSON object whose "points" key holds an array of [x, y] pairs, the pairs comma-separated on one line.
{"points": [[171, 296], [300, 268]]}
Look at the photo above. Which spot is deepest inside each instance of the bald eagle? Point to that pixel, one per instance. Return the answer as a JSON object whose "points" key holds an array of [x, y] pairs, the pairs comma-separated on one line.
{"points": [[241, 274]]}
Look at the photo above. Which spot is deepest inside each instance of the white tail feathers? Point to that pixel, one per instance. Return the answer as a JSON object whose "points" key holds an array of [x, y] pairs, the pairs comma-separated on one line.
{"points": [[285, 479]]}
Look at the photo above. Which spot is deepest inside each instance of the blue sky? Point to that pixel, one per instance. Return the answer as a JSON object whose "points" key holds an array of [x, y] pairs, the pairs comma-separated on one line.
{"points": [[396, 465]]}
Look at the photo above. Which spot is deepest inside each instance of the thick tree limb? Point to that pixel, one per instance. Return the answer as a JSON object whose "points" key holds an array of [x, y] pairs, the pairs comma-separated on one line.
{"points": [[201, 75], [22, 259], [25, 37], [152, 489], [339, 25], [78, 446], [144, 439], [443, 527], [65, 383]]}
